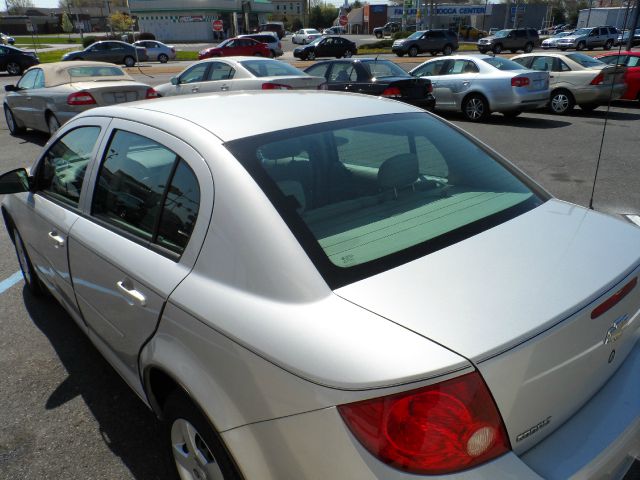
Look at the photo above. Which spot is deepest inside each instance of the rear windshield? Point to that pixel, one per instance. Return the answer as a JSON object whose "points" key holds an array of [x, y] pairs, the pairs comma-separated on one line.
{"points": [[503, 63], [266, 68], [95, 72], [364, 195], [585, 60], [384, 68]]}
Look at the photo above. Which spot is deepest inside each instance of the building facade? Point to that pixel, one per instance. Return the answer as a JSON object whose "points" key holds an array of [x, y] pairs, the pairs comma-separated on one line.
{"points": [[619, 17]]}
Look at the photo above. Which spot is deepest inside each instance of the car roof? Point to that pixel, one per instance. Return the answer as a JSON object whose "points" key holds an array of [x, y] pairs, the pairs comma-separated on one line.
{"points": [[56, 73], [253, 111]]}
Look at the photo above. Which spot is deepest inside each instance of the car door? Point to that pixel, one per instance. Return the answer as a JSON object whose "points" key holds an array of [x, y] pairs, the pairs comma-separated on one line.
{"points": [[435, 72], [153, 49], [343, 76], [192, 79], [55, 205], [218, 78], [325, 48], [20, 101], [554, 66], [459, 76], [144, 221]]}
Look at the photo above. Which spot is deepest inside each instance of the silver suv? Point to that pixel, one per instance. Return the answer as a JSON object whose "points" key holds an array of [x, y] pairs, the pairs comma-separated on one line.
{"points": [[589, 38], [270, 39]]}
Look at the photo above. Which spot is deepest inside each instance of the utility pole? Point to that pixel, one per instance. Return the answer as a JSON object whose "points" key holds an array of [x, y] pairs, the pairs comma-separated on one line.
{"points": [[507, 13], [633, 25]]}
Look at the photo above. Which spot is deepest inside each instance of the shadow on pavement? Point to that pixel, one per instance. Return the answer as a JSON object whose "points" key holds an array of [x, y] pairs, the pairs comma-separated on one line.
{"points": [[31, 136], [522, 121], [128, 428]]}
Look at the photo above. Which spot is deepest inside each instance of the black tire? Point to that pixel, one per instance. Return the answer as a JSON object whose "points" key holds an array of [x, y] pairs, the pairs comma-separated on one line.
{"points": [[528, 48], [608, 44], [129, 61], [14, 68], [475, 108], [581, 46], [433, 53], [31, 279], [378, 35], [563, 49], [413, 51], [513, 50], [52, 123], [512, 114], [183, 419], [497, 48], [447, 50], [400, 54], [12, 125], [163, 58], [561, 102]]}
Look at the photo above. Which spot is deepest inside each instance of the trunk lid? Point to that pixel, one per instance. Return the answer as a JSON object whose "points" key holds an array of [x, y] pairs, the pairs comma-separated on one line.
{"points": [[537, 80], [517, 301], [297, 82], [113, 92], [411, 88]]}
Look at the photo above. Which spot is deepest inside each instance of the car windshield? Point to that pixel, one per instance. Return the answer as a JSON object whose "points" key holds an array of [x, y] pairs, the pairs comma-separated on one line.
{"points": [[502, 33], [224, 43], [581, 31], [367, 194], [273, 68], [415, 35], [384, 68], [584, 60], [105, 71], [503, 63]]}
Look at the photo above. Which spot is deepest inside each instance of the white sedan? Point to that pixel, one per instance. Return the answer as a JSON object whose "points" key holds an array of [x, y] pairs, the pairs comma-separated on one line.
{"points": [[305, 35], [239, 73]]}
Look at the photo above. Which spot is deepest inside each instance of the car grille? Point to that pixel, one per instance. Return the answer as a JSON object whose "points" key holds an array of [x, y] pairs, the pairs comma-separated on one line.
{"points": [[109, 98]]}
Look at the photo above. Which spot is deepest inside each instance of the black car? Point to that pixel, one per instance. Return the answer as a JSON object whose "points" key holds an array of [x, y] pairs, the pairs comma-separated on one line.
{"points": [[15, 61], [326, 47], [387, 29], [432, 41], [112, 51], [375, 77]]}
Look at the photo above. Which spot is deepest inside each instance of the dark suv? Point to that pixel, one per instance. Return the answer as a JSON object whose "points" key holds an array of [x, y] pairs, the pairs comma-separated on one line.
{"points": [[387, 29], [513, 39], [432, 41]]}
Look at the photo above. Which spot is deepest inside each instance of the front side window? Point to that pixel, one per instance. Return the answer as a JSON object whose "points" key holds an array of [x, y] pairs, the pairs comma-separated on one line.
{"points": [[430, 69], [384, 68], [364, 195], [63, 167], [542, 64], [194, 74], [343, 72], [28, 80]]}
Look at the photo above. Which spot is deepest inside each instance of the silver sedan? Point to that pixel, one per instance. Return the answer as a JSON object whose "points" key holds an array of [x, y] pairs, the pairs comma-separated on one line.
{"points": [[239, 73], [48, 95], [364, 292], [477, 85], [157, 51]]}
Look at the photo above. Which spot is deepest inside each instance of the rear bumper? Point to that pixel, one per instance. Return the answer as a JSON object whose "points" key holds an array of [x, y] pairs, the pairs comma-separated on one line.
{"points": [[519, 101], [598, 94], [426, 103]]}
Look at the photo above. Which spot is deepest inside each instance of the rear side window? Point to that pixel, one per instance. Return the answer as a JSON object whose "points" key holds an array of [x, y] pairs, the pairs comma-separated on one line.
{"points": [[146, 190], [261, 68], [521, 34]]}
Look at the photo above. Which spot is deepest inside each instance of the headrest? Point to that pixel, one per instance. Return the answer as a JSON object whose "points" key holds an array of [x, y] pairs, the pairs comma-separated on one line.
{"points": [[398, 171]]}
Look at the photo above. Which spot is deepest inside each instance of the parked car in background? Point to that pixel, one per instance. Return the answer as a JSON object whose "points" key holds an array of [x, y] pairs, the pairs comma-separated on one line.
{"points": [[305, 35], [631, 60], [623, 37], [335, 30], [478, 85], [334, 286], [273, 27], [470, 33], [552, 42], [375, 77], [157, 51], [494, 30], [15, 61], [49, 95], [233, 47], [576, 79], [111, 51], [6, 39], [510, 39], [387, 29], [270, 38], [337, 47], [590, 38], [239, 73], [422, 41]]}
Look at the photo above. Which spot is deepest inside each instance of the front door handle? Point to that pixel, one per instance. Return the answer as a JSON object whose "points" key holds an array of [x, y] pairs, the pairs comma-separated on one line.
{"points": [[58, 241], [195, 89], [134, 296], [224, 88]]}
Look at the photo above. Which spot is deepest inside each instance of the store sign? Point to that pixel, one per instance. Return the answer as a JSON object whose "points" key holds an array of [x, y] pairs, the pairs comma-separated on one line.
{"points": [[447, 10], [191, 18]]}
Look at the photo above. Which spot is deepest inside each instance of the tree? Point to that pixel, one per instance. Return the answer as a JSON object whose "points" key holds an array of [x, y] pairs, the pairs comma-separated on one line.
{"points": [[67, 25], [356, 4], [17, 7], [120, 21]]}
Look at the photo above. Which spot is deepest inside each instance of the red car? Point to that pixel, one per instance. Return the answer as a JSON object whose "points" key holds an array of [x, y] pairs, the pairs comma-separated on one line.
{"points": [[632, 78], [236, 47]]}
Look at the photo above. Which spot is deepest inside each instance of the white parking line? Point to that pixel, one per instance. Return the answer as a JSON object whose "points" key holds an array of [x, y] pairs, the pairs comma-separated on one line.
{"points": [[10, 282]]}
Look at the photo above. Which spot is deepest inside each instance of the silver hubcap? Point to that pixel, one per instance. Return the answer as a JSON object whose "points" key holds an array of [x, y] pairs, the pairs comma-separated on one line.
{"points": [[560, 103], [475, 109], [13, 68], [22, 259], [9, 117], [193, 457]]}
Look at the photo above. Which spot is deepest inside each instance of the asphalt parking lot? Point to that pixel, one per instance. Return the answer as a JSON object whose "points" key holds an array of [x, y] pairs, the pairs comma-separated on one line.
{"points": [[66, 414]]}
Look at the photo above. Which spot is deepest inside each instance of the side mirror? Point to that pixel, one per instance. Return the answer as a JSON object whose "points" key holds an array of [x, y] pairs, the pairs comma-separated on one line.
{"points": [[175, 81], [15, 181], [11, 88]]}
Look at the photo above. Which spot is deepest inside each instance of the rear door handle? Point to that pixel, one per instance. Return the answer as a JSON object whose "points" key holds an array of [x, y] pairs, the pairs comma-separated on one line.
{"points": [[57, 239], [224, 88], [133, 295], [195, 89]]}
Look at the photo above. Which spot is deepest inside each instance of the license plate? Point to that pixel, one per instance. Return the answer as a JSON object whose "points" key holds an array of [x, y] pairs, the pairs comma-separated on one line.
{"points": [[121, 97]]}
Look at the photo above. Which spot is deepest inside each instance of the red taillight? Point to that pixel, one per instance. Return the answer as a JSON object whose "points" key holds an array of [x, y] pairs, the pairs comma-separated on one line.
{"points": [[81, 98], [392, 92], [610, 302], [439, 429], [519, 81], [599, 80], [151, 93], [430, 88], [323, 86], [275, 86]]}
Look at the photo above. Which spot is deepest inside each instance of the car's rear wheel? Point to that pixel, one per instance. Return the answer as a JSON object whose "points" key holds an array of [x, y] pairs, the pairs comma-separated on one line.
{"points": [[448, 50], [561, 102], [14, 68], [129, 61], [608, 44], [497, 48], [475, 108], [12, 125], [528, 48], [311, 55], [163, 58], [28, 272], [52, 123], [413, 52], [581, 46], [196, 447]]}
